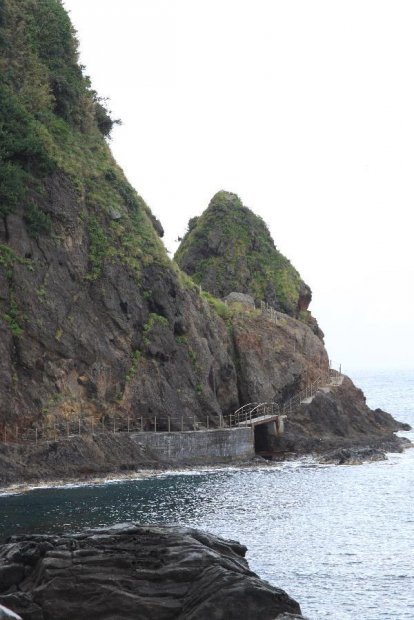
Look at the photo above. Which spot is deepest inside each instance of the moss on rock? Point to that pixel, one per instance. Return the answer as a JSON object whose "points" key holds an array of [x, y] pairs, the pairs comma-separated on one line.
{"points": [[229, 248]]}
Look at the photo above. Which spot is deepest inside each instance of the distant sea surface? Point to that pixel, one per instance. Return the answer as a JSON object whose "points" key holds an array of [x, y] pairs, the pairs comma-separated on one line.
{"points": [[339, 539]]}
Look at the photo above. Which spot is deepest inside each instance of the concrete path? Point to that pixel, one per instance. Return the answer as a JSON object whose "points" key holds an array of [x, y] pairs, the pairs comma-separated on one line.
{"points": [[334, 382], [264, 419]]}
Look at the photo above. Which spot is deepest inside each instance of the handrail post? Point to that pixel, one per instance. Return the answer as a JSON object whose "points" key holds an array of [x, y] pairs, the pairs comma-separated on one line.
{"points": [[169, 424], [155, 424]]}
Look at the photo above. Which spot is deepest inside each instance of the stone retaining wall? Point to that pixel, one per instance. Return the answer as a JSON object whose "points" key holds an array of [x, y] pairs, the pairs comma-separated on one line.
{"points": [[198, 447]]}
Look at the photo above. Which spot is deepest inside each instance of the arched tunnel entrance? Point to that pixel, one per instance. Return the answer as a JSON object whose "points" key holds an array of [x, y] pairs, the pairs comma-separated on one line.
{"points": [[266, 437]]}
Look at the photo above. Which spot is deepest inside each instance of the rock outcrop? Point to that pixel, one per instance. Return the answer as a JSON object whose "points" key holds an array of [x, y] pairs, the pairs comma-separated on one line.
{"points": [[76, 457], [275, 356], [340, 419], [229, 248], [95, 319], [130, 571]]}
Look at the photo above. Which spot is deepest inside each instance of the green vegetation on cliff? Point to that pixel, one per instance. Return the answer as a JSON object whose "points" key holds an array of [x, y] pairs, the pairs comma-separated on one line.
{"points": [[229, 248], [94, 317], [52, 122]]}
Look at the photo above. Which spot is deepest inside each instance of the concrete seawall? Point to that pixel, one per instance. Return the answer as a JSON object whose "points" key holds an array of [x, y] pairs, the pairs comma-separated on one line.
{"points": [[95, 455], [198, 447]]}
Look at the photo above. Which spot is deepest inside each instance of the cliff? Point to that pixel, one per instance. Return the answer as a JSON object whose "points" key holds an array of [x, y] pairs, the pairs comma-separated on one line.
{"points": [[95, 319], [229, 249]]}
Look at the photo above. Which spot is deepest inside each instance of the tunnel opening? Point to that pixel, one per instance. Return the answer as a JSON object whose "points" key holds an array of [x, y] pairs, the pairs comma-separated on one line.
{"points": [[268, 438], [263, 440]]}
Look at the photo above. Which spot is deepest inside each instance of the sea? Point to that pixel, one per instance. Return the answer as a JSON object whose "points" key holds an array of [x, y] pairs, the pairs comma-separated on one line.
{"points": [[338, 539]]}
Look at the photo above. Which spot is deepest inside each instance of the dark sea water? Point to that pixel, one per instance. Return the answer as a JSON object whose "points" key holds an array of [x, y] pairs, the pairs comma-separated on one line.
{"points": [[340, 540]]}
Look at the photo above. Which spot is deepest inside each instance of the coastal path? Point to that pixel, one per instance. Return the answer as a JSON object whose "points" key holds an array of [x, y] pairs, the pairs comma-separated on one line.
{"points": [[256, 414]]}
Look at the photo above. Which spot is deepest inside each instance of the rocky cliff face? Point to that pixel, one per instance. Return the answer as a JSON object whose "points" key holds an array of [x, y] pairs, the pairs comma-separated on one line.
{"points": [[340, 418], [94, 317], [229, 248]]}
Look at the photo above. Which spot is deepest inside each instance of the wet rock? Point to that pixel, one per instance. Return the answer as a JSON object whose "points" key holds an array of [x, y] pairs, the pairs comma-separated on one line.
{"points": [[353, 456], [152, 572], [23, 605], [10, 575]]}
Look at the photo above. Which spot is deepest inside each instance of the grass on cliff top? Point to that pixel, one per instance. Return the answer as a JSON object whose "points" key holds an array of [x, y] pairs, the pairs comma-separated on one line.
{"points": [[51, 120], [229, 248]]}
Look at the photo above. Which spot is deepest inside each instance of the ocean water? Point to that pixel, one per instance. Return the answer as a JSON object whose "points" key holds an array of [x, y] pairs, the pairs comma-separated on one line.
{"points": [[339, 539]]}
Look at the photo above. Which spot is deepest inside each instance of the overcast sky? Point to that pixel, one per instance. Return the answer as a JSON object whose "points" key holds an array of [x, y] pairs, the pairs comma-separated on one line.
{"points": [[305, 108]]}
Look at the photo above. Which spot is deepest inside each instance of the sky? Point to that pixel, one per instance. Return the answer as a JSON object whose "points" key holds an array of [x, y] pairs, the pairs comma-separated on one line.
{"points": [[305, 109]]}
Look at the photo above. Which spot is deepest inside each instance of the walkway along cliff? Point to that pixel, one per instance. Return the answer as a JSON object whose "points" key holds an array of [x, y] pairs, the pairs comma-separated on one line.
{"points": [[97, 323]]}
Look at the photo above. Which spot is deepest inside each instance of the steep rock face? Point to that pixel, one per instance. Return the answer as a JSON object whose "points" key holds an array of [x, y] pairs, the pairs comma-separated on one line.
{"points": [[128, 571], [94, 317], [276, 356], [117, 343], [340, 418], [229, 248]]}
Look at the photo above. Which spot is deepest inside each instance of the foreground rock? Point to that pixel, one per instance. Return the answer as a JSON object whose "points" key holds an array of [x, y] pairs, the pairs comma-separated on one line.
{"points": [[129, 571]]}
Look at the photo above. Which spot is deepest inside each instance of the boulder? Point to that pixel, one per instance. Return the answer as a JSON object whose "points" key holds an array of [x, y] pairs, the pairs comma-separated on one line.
{"points": [[132, 571], [240, 298]]}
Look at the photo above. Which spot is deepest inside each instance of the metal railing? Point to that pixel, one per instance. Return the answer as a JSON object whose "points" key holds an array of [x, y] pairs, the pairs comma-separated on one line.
{"points": [[248, 413], [308, 392], [58, 429]]}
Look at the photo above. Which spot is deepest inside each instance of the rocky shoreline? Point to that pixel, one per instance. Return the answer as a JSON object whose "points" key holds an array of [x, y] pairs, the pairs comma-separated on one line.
{"points": [[131, 571], [335, 427], [333, 421], [344, 455]]}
